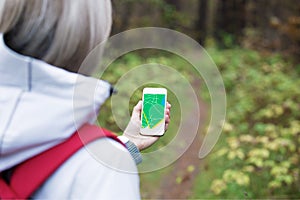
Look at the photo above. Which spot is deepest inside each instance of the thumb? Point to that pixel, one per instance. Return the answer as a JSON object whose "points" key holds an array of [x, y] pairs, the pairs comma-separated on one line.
{"points": [[133, 126], [136, 113]]}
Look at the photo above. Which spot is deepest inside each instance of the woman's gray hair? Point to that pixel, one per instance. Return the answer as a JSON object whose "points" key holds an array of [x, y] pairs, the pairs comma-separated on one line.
{"points": [[60, 32]]}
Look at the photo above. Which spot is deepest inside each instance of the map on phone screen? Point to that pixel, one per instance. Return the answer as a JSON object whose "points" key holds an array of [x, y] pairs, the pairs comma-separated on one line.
{"points": [[153, 110]]}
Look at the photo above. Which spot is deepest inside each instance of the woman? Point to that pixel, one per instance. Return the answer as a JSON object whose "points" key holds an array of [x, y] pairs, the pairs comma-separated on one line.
{"points": [[42, 44]]}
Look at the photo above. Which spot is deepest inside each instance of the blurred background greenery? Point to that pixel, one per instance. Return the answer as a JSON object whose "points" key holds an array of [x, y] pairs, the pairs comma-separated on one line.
{"points": [[256, 46]]}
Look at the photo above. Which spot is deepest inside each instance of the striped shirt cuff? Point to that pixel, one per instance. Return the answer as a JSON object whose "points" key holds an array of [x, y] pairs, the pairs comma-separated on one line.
{"points": [[132, 148]]}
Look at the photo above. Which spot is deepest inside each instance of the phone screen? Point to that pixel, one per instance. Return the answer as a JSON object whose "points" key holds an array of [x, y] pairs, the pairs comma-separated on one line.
{"points": [[153, 113]]}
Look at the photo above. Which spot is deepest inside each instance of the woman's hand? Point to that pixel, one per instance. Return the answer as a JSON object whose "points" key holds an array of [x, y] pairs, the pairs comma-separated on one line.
{"points": [[132, 132]]}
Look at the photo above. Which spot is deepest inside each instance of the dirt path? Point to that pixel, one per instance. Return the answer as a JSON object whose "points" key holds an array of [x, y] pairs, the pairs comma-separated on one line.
{"points": [[179, 183]]}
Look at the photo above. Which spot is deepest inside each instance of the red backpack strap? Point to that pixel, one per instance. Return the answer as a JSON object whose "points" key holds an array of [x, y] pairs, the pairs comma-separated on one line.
{"points": [[5, 191], [31, 174]]}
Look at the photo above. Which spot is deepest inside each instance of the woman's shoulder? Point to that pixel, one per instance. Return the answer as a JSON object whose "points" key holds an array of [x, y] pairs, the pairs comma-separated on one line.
{"points": [[89, 171]]}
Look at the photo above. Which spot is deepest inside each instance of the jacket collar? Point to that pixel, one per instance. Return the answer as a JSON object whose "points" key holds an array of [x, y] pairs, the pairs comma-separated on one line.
{"points": [[38, 77], [14, 68], [24, 72], [29, 74]]}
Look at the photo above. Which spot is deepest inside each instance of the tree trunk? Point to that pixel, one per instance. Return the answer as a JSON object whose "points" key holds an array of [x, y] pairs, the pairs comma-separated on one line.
{"points": [[201, 22]]}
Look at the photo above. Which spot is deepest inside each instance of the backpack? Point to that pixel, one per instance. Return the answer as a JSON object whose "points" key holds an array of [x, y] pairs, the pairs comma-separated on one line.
{"points": [[28, 176]]}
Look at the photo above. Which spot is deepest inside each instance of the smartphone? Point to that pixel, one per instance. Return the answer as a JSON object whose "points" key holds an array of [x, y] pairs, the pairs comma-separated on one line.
{"points": [[153, 111]]}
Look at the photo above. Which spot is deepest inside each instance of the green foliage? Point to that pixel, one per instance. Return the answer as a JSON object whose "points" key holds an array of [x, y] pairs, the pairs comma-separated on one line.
{"points": [[260, 144]]}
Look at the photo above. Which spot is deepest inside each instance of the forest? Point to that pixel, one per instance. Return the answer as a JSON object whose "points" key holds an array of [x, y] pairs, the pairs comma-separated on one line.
{"points": [[256, 46]]}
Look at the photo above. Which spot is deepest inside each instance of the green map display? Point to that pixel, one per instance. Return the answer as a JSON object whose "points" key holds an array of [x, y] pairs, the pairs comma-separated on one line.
{"points": [[153, 110]]}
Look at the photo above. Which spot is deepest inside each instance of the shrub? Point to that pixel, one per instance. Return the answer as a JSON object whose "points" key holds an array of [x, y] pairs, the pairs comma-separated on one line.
{"points": [[261, 134]]}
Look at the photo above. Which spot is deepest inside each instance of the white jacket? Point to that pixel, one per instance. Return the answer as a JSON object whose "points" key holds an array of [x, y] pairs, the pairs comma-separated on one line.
{"points": [[39, 109]]}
